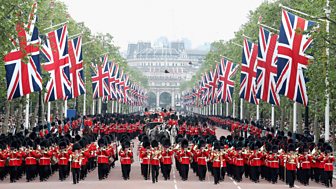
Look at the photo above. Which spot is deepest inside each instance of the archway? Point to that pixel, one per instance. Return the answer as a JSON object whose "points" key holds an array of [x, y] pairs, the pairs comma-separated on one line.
{"points": [[151, 100], [165, 100]]}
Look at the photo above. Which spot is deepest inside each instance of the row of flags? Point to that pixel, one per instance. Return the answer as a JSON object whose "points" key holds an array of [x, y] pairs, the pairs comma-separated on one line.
{"points": [[109, 82], [273, 67], [62, 60]]}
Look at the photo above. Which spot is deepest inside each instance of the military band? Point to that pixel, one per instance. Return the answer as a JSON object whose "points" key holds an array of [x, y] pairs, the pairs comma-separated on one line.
{"points": [[101, 141]]}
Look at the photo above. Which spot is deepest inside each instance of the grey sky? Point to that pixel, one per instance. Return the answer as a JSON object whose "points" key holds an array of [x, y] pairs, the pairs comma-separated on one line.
{"points": [[128, 21]]}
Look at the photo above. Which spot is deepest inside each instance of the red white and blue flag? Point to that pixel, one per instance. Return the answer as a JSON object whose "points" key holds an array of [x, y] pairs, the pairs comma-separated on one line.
{"points": [[24, 77], [292, 60], [55, 54], [249, 72], [267, 67], [213, 84], [100, 79], [112, 80], [227, 71], [76, 67]]}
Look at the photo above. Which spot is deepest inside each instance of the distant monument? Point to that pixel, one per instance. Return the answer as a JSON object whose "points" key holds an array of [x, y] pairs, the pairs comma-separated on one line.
{"points": [[167, 65]]}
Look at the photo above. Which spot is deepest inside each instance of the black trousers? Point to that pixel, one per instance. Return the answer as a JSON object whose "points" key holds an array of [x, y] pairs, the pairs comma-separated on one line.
{"points": [[246, 170], [62, 172], [223, 172], [290, 177], [145, 170], [166, 169], [13, 173], [216, 174], [83, 172], [254, 173], [75, 175], [3, 173], [202, 172], [30, 172], [125, 170], [317, 174], [184, 171], [274, 175], [102, 170], [305, 175], [282, 173], [328, 176], [155, 173], [44, 172], [239, 170]]}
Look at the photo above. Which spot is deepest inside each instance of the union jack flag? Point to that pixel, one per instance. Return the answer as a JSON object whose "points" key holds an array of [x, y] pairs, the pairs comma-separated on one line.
{"points": [[227, 70], [213, 84], [249, 72], [205, 89], [24, 77], [120, 82], [100, 79], [125, 87], [292, 60], [267, 68], [76, 67], [112, 80], [55, 54]]}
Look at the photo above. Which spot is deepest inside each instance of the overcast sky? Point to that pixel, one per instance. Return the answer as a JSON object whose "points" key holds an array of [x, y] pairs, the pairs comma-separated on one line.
{"points": [[130, 21]]}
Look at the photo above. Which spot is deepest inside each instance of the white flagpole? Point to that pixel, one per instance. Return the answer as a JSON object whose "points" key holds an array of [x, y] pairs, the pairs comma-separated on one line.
{"points": [[222, 109], [241, 108], [272, 124], [214, 109], [120, 108], [99, 105], [227, 109], [48, 113], [257, 112], [327, 107], [27, 112], [112, 108], [65, 109], [294, 117], [209, 109]]}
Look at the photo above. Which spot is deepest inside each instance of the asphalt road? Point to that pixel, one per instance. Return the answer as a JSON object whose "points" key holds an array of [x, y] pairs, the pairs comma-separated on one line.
{"points": [[115, 181]]}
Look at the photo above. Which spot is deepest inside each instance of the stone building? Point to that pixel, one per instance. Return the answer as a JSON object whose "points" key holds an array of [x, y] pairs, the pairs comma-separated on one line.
{"points": [[166, 65]]}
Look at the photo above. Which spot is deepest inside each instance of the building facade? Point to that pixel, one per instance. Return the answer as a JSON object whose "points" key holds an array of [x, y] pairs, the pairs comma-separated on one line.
{"points": [[166, 66]]}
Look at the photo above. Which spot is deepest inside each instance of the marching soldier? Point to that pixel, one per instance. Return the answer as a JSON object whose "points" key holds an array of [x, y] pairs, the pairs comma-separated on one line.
{"points": [[184, 157], [63, 160], [3, 158], [31, 161], [328, 166], [216, 159], [167, 153], [291, 162], [45, 161], [273, 161], [155, 160], [102, 160], [238, 162], [14, 156], [126, 159], [76, 160], [144, 155], [202, 155], [305, 164], [255, 163]]}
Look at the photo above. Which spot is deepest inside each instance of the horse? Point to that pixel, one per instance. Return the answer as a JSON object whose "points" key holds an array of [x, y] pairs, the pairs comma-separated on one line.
{"points": [[173, 134]]}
